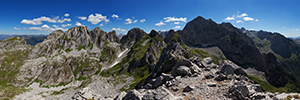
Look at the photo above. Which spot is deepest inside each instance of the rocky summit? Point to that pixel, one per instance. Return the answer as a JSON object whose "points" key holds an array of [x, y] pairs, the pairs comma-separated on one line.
{"points": [[204, 61]]}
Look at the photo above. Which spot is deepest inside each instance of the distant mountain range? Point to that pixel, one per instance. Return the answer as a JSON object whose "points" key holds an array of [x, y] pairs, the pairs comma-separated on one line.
{"points": [[205, 60], [30, 39]]}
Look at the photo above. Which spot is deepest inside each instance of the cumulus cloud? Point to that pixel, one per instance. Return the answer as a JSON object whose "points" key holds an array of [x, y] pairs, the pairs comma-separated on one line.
{"points": [[44, 27], [130, 21], [82, 18], [55, 26], [67, 15], [119, 29], [171, 19], [176, 27], [240, 18], [160, 23], [78, 24], [95, 19], [239, 21], [38, 21], [15, 28], [176, 22], [242, 15], [229, 18], [66, 25], [142, 20], [248, 19], [63, 20], [101, 25], [115, 16]]}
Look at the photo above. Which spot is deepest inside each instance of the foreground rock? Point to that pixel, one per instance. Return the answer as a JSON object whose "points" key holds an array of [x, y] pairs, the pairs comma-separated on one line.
{"points": [[226, 85]]}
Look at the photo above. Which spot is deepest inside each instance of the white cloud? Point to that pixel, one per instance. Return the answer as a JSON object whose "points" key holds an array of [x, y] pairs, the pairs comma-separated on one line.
{"points": [[63, 20], [176, 22], [242, 15], [45, 27], [95, 19], [171, 19], [67, 15], [66, 25], [239, 21], [229, 18], [177, 27], [240, 18], [160, 23], [55, 26], [142, 20], [101, 25], [129, 21], [38, 21], [82, 18], [78, 24], [119, 29], [115, 16], [248, 19], [15, 28]]}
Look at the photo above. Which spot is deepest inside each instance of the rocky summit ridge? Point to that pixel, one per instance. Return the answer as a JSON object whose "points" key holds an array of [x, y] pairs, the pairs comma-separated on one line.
{"points": [[205, 60]]}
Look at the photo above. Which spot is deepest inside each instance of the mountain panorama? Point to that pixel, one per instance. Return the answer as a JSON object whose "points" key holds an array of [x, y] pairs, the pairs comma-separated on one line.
{"points": [[204, 60]]}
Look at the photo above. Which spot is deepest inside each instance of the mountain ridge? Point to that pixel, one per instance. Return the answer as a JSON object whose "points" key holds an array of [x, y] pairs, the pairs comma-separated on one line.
{"points": [[204, 52]]}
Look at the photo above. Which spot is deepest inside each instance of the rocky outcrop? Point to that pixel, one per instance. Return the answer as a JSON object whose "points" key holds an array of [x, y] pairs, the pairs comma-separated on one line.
{"points": [[132, 36], [197, 86], [234, 43]]}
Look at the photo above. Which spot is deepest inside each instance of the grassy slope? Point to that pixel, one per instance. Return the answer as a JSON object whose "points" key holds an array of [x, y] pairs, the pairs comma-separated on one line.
{"points": [[137, 52], [10, 64]]}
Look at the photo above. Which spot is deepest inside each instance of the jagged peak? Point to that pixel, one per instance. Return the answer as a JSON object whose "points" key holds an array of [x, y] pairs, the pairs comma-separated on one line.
{"points": [[153, 33], [113, 32], [78, 28], [56, 33]]}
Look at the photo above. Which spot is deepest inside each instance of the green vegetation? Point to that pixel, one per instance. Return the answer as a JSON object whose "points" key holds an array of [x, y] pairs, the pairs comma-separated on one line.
{"points": [[290, 87], [80, 47], [108, 54], [86, 64], [10, 65], [68, 50], [91, 46], [140, 73], [67, 39]]}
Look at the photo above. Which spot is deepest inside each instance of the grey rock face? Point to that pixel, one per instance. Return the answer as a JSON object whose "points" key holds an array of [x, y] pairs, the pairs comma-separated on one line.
{"points": [[132, 36], [181, 70], [229, 67], [132, 95], [239, 91], [188, 89]]}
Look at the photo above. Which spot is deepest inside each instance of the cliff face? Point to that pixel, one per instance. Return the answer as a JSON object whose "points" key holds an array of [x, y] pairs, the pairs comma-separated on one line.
{"points": [[204, 60], [235, 44]]}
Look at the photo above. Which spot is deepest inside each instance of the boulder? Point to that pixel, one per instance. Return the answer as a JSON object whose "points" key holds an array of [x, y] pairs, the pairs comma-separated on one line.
{"points": [[184, 62], [229, 67], [239, 91], [120, 96], [188, 88], [206, 61], [211, 84], [132, 95], [181, 70], [221, 77], [209, 76]]}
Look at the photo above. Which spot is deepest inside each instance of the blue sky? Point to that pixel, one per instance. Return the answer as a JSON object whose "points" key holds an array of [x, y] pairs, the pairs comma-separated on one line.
{"points": [[44, 16]]}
